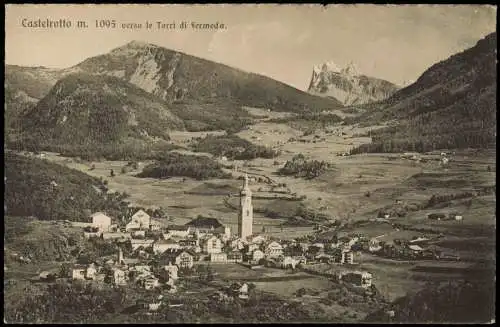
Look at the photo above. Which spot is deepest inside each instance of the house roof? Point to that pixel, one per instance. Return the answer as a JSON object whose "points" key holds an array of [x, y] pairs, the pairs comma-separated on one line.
{"points": [[141, 212], [141, 241], [99, 213], [204, 222], [415, 248], [129, 261], [174, 253], [167, 241], [157, 222], [178, 227]]}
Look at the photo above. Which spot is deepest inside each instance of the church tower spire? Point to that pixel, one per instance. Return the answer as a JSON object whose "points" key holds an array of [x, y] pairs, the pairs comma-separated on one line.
{"points": [[245, 219]]}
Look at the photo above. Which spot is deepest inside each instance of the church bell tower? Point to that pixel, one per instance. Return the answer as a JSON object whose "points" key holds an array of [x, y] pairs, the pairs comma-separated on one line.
{"points": [[245, 219]]}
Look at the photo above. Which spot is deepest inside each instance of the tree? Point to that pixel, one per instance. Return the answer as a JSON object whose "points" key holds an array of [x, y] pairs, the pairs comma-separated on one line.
{"points": [[64, 270]]}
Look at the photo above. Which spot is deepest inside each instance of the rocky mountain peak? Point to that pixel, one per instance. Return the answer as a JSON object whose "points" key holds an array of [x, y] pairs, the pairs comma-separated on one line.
{"points": [[351, 70], [347, 84]]}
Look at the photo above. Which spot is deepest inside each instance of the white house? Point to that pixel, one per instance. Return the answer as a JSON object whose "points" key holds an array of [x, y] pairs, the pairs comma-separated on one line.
{"points": [[111, 236], [258, 239], [347, 257], [91, 271], [78, 272], [155, 225], [257, 255], [139, 233], [181, 258], [164, 245], [92, 234], [178, 230], [273, 250], [101, 221], [137, 243], [358, 278], [140, 220], [150, 282], [227, 233], [119, 277], [84, 272], [172, 271], [238, 244], [286, 262], [218, 257], [252, 247], [212, 245]]}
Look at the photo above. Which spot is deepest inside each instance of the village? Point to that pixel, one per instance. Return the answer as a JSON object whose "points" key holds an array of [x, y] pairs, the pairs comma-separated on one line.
{"points": [[155, 256]]}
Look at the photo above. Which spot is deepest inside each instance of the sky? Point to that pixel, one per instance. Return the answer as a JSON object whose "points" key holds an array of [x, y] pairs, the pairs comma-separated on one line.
{"points": [[393, 42]]}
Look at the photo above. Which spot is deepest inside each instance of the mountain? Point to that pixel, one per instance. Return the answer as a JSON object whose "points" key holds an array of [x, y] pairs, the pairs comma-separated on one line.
{"points": [[89, 109], [451, 105], [24, 87], [347, 85], [175, 76], [203, 94]]}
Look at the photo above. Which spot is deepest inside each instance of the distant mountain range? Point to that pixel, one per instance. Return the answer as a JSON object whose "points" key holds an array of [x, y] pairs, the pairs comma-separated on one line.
{"points": [[179, 92], [451, 105], [142, 91], [347, 85]]}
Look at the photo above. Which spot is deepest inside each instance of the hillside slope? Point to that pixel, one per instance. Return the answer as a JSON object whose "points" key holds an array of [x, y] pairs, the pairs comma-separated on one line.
{"points": [[348, 86], [87, 109], [36, 187], [452, 105], [173, 75], [24, 87]]}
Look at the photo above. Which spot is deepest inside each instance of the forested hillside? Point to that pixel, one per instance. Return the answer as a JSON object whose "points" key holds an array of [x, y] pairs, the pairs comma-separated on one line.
{"points": [[452, 105], [36, 187]]}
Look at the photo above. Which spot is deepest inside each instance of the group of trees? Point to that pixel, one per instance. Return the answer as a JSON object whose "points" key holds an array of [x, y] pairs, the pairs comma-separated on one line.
{"points": [[309, 121], [63, 303], [458, 301], [175, 164], [50, 191], [233, 147], [300, 167], [426, 138], [211, 115], [436, 199], [129, 149]]}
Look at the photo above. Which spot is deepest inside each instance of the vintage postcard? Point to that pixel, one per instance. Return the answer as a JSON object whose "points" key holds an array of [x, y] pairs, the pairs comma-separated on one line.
{"points": [[250, 163]]}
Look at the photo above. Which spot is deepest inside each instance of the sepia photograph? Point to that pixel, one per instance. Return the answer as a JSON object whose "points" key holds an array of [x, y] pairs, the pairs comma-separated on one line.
{"points": [[250, 163]]}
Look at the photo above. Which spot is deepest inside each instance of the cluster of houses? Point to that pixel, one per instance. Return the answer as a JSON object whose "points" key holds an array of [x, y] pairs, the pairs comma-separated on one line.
{"points": [[181, 246], [416, 248], [156, 252]]}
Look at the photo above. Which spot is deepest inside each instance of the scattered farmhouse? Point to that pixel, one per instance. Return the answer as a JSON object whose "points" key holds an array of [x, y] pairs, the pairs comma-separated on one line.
{"points": [[164, 245], [181, 258], [140, 220], [273, 250], [212, 245], [357, 278], [178, 230], [101, 221]]}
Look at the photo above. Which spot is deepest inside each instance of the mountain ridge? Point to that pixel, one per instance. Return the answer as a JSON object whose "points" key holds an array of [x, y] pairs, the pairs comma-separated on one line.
{"points": [[347, 85], [451, 105]]}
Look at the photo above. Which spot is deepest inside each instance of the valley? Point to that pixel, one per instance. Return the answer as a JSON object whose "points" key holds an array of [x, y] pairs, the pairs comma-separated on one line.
{"points": [[149, 185], [341, 193]]}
